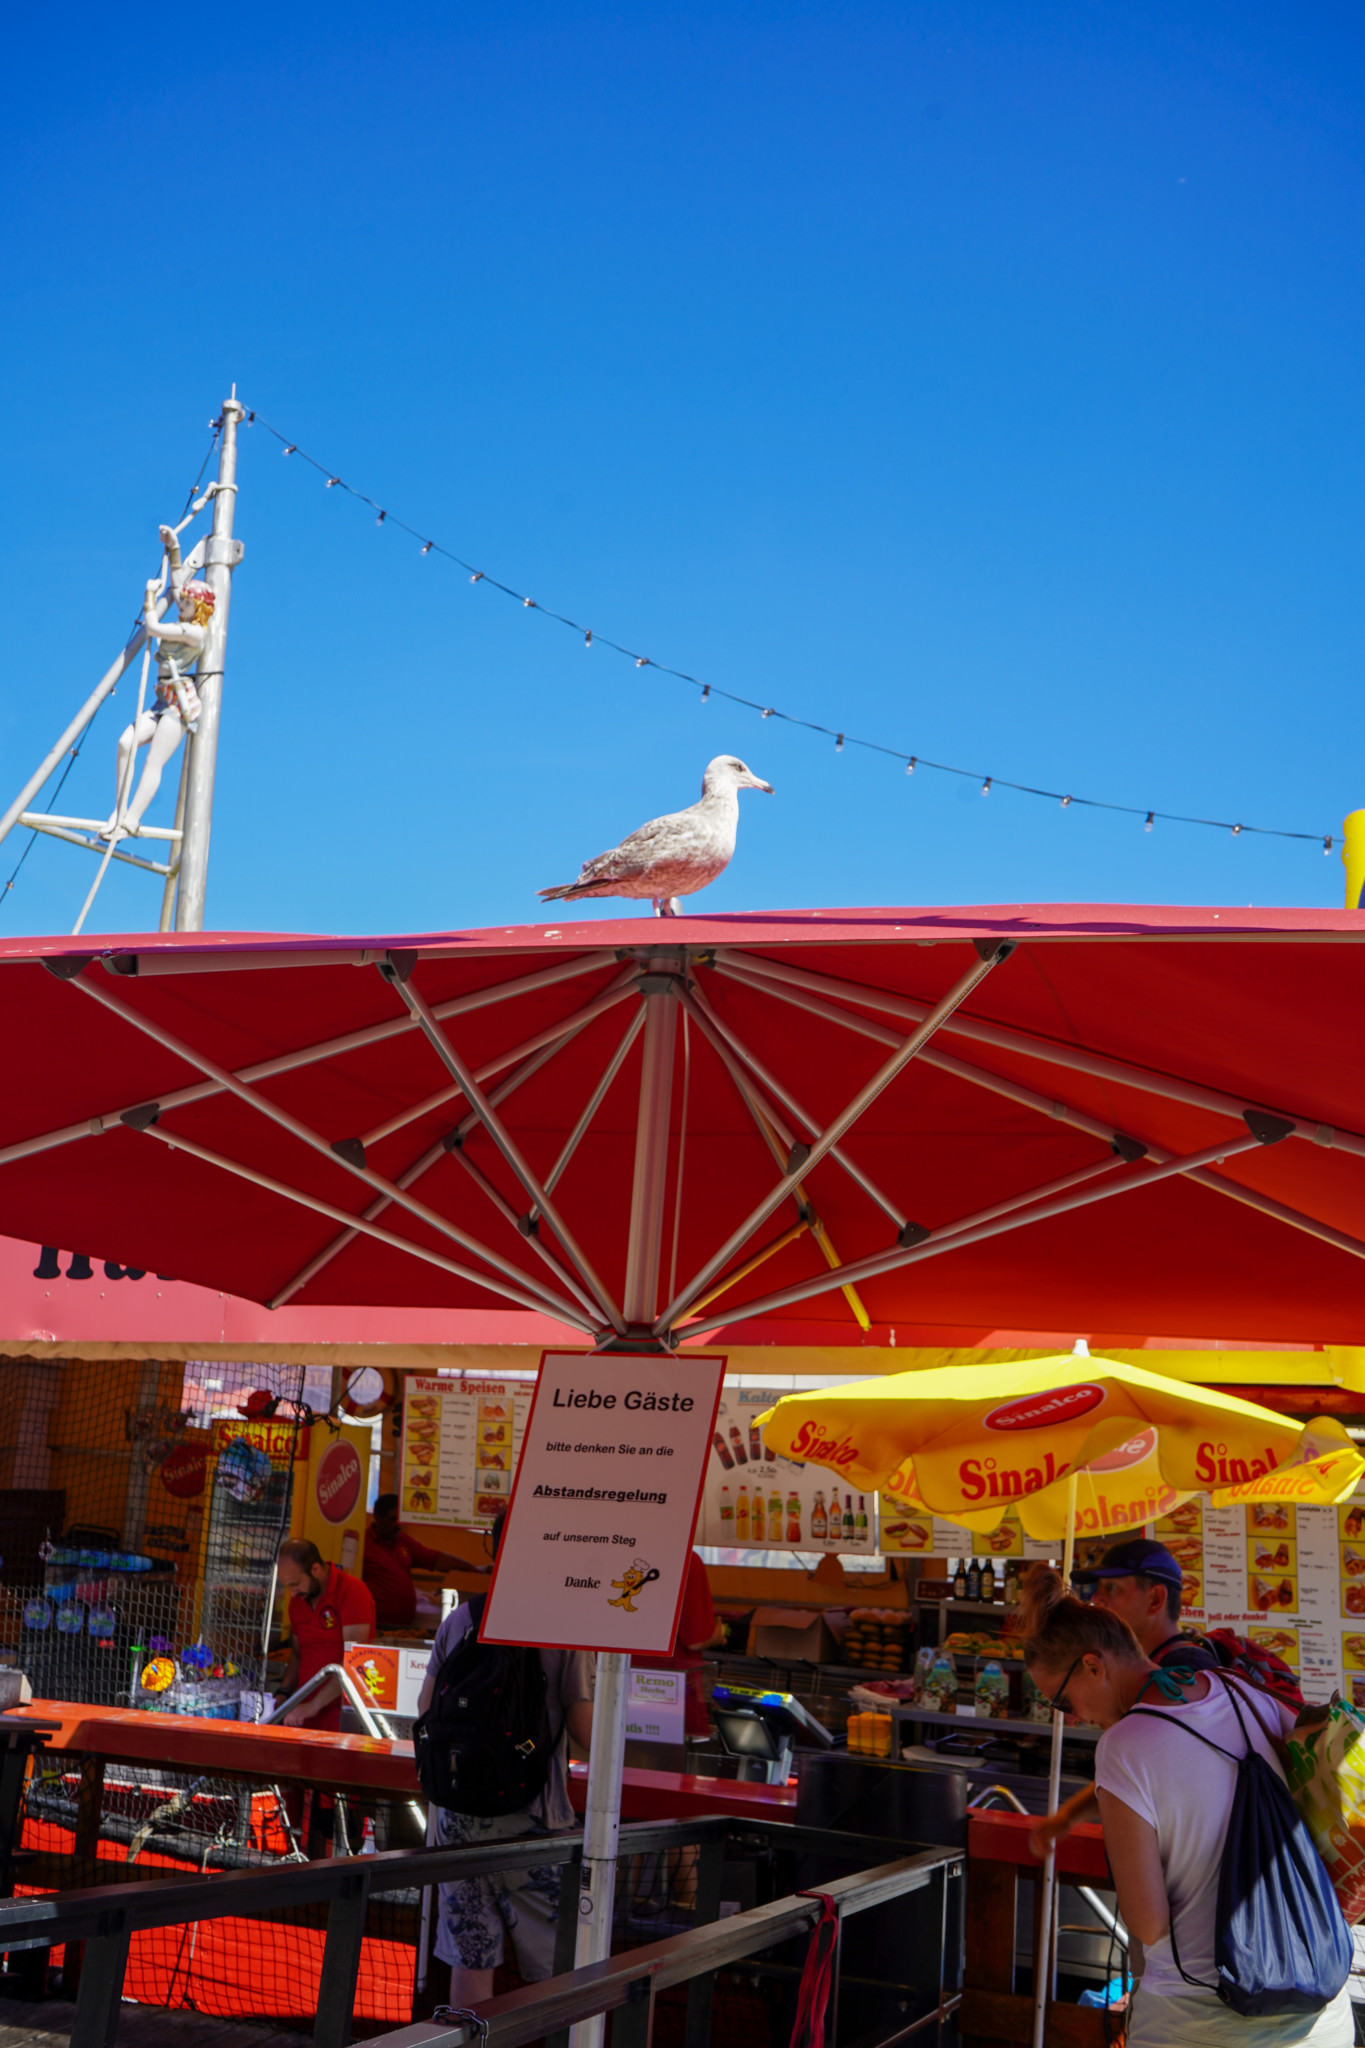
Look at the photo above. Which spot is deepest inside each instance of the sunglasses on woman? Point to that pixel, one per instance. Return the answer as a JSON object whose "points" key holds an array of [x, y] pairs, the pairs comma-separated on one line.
{"points": [[1059, 1702]]}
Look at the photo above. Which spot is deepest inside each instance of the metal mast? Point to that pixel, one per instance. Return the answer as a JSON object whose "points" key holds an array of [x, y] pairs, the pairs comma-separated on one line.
{"points": [[221, 556], [183, 870]]}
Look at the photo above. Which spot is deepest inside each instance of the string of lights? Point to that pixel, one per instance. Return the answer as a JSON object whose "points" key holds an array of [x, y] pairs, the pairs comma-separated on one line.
{"points": [[911, 763]]}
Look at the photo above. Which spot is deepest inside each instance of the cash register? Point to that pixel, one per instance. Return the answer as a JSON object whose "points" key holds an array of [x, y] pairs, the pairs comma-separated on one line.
{"points": [[762, 1728]]}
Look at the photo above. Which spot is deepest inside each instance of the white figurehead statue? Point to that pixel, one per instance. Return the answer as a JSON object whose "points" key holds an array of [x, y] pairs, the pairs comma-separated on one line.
{"points": [[179, 642]]}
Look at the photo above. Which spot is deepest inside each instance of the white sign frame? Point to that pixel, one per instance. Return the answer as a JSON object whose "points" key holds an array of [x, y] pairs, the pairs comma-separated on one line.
{"points": [[602, 1427]]}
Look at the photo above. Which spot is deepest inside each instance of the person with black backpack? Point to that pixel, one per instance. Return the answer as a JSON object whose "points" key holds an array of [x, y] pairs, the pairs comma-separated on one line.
{"points": [[491, 1749], [1217, 1877]]}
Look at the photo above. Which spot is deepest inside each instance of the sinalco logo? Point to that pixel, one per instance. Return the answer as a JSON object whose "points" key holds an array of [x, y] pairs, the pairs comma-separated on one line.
{"points": [[338, 1481], [1046, 1409]]}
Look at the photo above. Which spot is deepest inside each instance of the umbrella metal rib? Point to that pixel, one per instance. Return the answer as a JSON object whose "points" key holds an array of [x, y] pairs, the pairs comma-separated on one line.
{"points": [[1049, 1106], [1007, 1038], [989, 954], [761, 1072], [776, 1135], [434, 1152], [971, 1229], [593, 1104], [306, 1056], [492, 1285], [506, 1144], [554, 1035], [317, 1143]]}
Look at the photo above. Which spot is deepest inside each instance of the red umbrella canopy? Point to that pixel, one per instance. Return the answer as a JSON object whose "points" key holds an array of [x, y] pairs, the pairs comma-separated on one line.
{"points": [[794, 1126]]}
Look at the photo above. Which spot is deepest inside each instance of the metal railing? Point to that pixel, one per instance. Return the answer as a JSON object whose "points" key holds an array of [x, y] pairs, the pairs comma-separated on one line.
{"points": [[105, 1918]]}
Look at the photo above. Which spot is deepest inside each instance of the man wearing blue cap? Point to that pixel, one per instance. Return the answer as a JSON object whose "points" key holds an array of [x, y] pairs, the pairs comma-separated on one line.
{"points": [[1140, 1582]]}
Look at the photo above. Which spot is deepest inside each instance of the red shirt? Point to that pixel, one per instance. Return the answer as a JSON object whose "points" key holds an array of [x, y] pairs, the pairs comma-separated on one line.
{"points": [[387, 1571], [316, 1626], [696, 1622]]}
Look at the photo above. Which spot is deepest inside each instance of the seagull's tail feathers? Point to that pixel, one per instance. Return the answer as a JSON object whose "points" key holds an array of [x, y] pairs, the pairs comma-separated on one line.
{"points": [[569, 892]]}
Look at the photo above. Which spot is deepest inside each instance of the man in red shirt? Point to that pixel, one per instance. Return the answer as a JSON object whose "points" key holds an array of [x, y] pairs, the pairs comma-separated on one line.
{"points": [[390, 1554], [328, 1608]]}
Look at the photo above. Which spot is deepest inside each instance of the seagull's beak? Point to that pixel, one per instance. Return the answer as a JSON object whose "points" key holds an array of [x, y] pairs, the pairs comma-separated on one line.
{"points": [[748, 781]]}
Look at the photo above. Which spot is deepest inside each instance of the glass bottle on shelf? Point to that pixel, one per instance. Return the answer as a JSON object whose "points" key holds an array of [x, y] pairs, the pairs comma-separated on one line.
{"points": [[973, 1580], [959, 1577], [987, 1579]]}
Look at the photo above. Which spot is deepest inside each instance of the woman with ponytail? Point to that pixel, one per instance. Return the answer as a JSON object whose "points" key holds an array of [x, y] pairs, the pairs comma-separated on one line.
{"points": [[1164, 1805]]}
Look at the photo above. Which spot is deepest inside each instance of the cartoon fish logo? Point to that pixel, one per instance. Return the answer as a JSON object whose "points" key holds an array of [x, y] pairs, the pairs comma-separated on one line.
{"points": [[636, 1575]]}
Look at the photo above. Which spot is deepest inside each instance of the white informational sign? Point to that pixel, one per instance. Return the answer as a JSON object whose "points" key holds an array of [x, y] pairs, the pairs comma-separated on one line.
{"points": [[595, 1549], [758, 1501], [656, 1706], [461, 1440]]}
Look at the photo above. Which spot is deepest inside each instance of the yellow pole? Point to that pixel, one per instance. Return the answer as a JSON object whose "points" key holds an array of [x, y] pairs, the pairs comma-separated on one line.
{"points": [[1353, 857]]}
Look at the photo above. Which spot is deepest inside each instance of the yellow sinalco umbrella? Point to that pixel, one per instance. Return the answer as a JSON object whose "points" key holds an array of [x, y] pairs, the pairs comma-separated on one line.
{"points": [[972, 1442], [1069, 1443]]}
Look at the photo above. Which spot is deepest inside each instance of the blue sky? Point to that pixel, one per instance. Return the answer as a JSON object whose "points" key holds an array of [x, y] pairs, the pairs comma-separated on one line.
{"points": [[981, 379]]}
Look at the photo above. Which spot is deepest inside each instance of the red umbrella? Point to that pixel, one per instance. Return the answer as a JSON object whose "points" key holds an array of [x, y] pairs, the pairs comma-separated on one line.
{"points": [[1128, 1121]]}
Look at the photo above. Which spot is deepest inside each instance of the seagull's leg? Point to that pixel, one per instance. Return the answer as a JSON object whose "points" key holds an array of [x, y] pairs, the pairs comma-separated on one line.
{"points": [[666, 906]]}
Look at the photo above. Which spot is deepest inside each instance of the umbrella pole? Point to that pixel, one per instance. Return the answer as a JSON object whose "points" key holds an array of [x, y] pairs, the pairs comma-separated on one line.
{"points": [[1043, 1986]]}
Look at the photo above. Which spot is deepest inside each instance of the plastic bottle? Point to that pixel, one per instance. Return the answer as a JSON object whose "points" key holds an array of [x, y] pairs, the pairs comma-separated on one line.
{"points": [[774, 1516], [793, 1517], [737, 1444], [742, 1516], [756, 1517], [727, 1516], [367, 1844], [819, 1523], [755, 1443], [723, 1451]]}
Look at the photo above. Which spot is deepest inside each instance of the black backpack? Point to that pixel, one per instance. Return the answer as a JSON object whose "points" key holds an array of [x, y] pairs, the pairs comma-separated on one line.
{"points": [[1280, 1943], [484, 1745]]}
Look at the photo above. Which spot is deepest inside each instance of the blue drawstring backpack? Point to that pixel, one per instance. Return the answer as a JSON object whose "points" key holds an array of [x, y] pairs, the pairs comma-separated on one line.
{"points": [[1281, 1945]]}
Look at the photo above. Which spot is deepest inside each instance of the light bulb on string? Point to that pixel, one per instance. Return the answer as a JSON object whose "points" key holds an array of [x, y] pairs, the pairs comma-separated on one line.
{"points": [[427, 546], [838, 743], [1327, 844], [986, 785], [1149, 821], [332, 482], [912, 764], [642, 661], [529, 603], [1236, 830], [587, 637], [1065, 802], [380, 520], [705, 692], [768, 713], [477, 577], [292, 449]]}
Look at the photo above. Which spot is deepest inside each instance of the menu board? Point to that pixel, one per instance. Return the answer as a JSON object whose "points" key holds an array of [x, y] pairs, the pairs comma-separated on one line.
{"points": [[754, 1500], [1290, 1578], [461, 1443], [906, 1530]]}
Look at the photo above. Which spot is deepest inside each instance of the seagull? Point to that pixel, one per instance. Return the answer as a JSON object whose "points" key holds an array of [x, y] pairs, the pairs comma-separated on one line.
{"points": [[672, 856]]}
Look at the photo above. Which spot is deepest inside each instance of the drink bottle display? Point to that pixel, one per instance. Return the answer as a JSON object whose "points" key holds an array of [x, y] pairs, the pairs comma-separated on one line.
{"points": [[973, 1580], [774, 1516], [727, 1515], [755, 1443], [987, 1580], [848, 1518], [860, 1520], [793, 1518], [723, 1451], [737, 1441], [742, 1516], [756, 1517], [819, 1524], [959, 1577]]}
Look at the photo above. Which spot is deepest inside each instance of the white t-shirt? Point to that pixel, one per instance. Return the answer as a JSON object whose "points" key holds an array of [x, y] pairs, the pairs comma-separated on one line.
{"points": [[1184, 1790]]}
